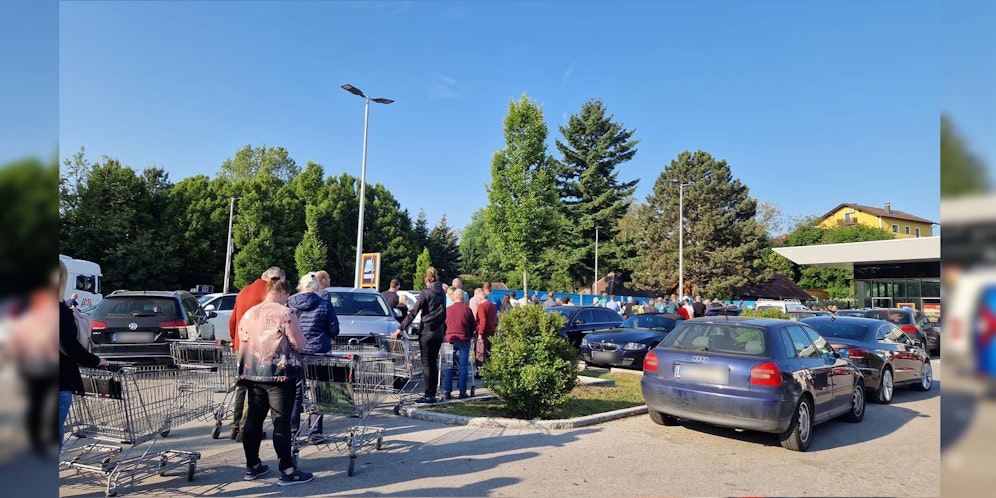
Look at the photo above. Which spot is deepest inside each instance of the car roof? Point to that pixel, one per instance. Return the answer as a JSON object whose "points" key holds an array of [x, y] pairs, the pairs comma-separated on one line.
{"points": [[858, 320], [126, 293], [567, 307], [363, 290], [744, 320]]}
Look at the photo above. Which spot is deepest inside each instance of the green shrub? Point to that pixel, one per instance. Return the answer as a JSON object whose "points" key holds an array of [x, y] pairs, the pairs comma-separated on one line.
{"points": [[532, 368], [768, 313]]}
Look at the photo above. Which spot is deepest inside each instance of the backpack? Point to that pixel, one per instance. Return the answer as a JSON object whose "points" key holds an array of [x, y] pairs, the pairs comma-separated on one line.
{"points": [[83, 329]]}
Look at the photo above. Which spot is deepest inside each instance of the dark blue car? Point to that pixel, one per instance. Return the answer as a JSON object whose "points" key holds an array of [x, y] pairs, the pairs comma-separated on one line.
{"points": [[762, 374]]}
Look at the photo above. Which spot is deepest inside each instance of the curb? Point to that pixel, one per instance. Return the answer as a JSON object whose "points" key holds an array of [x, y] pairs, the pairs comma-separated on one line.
{"points": [[512, 423]]}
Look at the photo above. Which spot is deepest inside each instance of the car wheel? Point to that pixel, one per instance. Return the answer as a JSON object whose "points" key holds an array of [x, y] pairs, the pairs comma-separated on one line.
{"points": [[927, 379], [885, 388], [662, 418], [857, 413], [797, 436]]}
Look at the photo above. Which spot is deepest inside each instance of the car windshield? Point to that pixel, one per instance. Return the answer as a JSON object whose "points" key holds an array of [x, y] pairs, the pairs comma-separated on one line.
{"points": [[205, 298], [897, 317], [766, 308], [358, 304], [648, 322], [137, 306], [722, 338], [566, 313], [841, 330]]}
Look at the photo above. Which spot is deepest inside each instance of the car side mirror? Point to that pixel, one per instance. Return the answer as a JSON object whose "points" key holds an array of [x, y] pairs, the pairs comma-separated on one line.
{"points": [[209, 307], [843, 353], [212, 314], [397, 313]]}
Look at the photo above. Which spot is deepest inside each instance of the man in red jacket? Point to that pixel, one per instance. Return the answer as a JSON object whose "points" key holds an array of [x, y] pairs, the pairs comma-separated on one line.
{"points": [[486, 317], [249, 296], [460, 330]]}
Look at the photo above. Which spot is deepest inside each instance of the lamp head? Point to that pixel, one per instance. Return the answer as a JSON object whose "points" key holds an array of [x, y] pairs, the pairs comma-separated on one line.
{"points": [[353, 90]]}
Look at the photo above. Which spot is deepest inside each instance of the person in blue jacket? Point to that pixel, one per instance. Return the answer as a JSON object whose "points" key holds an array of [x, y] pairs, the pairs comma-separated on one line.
{"points": [[321, 326]]}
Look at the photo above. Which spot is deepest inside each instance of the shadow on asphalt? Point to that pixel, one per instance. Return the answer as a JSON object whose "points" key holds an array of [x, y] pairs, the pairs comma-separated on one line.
{"points": [[879, 421]]}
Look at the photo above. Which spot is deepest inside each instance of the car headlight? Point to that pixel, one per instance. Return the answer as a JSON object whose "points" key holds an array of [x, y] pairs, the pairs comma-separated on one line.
{"points": [[584, 340], [634, 346]]}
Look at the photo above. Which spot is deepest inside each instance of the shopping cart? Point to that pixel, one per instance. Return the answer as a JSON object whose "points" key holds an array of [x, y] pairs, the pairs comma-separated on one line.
{"points": [[349, 385], [407, 354], [216, 365], [448, 359], [131, 406]]}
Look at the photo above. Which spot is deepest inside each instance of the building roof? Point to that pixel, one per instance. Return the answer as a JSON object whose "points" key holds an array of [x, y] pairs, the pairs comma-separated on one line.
{"points": [[919, 249], [880, 212], [780, 287]]}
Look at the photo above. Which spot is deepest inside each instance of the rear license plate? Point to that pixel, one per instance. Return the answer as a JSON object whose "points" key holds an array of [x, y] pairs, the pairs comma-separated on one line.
{"points": [[603, 356], [133, 337], [702, 373]]}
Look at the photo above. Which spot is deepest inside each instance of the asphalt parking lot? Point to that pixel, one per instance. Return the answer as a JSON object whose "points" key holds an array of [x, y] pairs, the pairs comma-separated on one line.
{"points": [[894, 452]]}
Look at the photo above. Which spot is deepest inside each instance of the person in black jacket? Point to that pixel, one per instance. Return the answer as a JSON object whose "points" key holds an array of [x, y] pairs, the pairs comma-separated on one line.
{"points": [[72, 355], [431, 303]]}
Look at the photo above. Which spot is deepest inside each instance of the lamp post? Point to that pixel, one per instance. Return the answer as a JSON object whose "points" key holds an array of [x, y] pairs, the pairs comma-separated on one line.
{"points": [[594, 286], [681, 240], [363, 176], [228, 249]]}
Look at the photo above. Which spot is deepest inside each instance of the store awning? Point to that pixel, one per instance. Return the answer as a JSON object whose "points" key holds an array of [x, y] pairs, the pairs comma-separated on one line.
{"points": [[913, 250]]}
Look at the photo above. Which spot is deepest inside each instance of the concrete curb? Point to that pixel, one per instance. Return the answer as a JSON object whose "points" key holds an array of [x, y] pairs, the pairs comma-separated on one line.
{"points": [[512, 423]]}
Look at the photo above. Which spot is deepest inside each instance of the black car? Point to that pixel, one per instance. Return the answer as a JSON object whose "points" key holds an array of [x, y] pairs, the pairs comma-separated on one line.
{"points": [[761, 374], [881, 350], [724, 311], [858, 313], [914, 323], [137, 325], [627, 344], [582, 320]]}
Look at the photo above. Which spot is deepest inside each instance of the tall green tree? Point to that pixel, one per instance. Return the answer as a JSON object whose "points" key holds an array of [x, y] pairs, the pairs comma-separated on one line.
{"points": [[444, 250], [29, 209], [522, 215], [422, 265], [475, 252], [961, 172], [388, 230], [310, 254], [589, 189], [723, 244], [197, 217]]}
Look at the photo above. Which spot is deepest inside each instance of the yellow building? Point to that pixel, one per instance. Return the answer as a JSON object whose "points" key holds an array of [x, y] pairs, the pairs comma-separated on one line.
{"points": [[902, 225]]}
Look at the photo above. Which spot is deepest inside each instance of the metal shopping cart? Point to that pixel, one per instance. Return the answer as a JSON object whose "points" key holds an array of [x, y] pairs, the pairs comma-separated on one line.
{"points": [[216, 365], [346, 384], [130, 407], [407, 354], [448, 359]]}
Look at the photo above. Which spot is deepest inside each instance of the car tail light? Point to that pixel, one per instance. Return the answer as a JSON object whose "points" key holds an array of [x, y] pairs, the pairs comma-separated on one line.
{"points": [[856, 353], [173, 324], [98, 325], [909, 329], [766, 374], [650, 362]]}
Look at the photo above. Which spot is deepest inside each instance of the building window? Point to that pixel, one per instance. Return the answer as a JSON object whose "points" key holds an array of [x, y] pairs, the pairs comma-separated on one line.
{"points": [[907, 229], [917, 232], [847, 217], [895, 228]]}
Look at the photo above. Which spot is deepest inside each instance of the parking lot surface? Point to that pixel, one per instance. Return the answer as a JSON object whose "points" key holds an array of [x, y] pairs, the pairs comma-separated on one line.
{"points": [[894, 452]]}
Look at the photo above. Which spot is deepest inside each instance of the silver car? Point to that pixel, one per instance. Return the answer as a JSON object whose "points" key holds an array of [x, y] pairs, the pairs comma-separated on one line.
{"points": [[363, 314]]}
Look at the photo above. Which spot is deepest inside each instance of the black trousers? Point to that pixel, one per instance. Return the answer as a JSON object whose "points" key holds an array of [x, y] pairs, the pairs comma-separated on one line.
{"points": [[263, 397], [431, 341]]}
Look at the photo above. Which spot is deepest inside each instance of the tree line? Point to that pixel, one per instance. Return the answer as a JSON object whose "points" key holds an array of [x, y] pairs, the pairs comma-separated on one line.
{"points": [[539, 223]]}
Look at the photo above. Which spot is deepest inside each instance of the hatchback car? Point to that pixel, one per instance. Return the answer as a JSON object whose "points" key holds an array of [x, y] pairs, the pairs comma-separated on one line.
{"points": [[582, 320], [627, 344], [137, 325], [222, 305], [914, 323], [762, 374], [882, 352], [363, 314]]}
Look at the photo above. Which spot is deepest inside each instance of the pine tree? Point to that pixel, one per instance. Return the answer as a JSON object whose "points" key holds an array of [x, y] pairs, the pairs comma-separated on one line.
{"points": [[310, 254], [444, 250], [590, 192], [422, 265]]}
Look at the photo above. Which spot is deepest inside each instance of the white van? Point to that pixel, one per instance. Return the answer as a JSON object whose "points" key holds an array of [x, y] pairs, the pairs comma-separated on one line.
{"points": [[85, 279], [784, 306]]}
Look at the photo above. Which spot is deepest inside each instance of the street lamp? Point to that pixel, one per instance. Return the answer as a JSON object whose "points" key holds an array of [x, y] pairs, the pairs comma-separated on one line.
{"points": [[594, 286], [228, 249], [681, 241], [363, 176]]}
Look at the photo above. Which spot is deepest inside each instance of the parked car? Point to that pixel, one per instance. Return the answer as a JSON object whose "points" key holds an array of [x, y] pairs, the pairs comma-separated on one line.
{"points": [[883, 353], [582, 320], [363, 315], [913, 322], [724, 311], [626, 344], [762, 374], [784, 306], [222, 305], [137, 325], [858, 313], [799, 315]]}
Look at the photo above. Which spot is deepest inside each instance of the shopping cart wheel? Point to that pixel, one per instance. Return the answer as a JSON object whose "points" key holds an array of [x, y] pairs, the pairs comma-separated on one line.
{"points": [[295, 459], [380, 439], [472, 391], [163, 461], [191, 468], [164, 432], [216, 432], [349, 471], [111, 492], [397, 409]]}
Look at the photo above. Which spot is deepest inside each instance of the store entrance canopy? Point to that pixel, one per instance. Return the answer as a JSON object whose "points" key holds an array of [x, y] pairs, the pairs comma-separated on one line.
{"points": [[921, 249]]}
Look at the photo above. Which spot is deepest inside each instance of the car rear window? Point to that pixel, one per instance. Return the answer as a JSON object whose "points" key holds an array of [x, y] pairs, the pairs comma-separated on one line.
{"points": [[841, 330], [721, 338], [136, 307], [358, 304], [899, 317]]}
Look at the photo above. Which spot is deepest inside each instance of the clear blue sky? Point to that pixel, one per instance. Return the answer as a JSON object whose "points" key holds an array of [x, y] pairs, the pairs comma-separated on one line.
{"points": [[812, 103]]}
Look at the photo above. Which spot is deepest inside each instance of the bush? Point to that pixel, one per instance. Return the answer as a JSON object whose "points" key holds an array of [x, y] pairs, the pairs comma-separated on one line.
{"points": [[532, 369], [769, 313]]}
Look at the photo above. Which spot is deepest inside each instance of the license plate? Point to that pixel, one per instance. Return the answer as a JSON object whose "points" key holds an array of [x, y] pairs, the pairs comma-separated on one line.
{"points": [[702, 373], [603, 356], [133, 337]]}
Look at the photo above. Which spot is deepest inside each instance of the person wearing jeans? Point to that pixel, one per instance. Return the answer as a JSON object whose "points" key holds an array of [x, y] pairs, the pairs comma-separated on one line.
{"points": [[269, 367], [460, 329], [431, 303]]}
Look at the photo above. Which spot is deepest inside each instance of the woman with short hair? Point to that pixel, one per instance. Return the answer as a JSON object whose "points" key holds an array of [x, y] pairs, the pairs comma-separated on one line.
{"points": [[320, 326]]}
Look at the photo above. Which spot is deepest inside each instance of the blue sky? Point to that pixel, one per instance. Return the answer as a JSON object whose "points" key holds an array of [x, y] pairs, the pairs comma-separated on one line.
{"points": [[812, 103]]}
